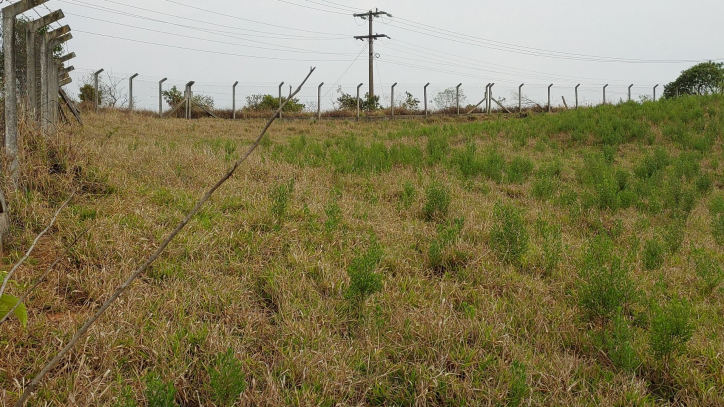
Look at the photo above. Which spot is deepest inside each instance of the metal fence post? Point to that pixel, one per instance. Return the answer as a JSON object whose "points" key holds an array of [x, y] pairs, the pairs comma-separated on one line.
{"points": [[457, 96], [95, 82], [130, 92], [520, 98], [358, 86], [233, 100], [160, 96], [604, 94], [425, 89], [577, 95], [319, 101], [655, 92], [550, 109], [280, 98], [392, 97], [629, 92]]}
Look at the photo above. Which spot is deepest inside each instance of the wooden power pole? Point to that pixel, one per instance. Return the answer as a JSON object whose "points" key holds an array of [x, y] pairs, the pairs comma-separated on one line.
{"points": [[370, 16]]}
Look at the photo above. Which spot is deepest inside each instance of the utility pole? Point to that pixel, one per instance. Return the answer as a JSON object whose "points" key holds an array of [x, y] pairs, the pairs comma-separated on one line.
{"points": [[370, 16]]}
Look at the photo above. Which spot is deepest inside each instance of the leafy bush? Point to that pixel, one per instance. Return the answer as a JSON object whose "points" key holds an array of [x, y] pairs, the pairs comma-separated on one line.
{"points": [[509, 238], [159, 393], [349, 102], [261, 102], [227, 379], [7, 302], [671, 329], [653, 255], [438, 201], [604, 286], [650, 164]]}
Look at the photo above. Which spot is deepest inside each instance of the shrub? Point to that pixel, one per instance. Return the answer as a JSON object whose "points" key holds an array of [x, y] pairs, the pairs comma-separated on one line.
{"points": [[227, 379], [364, 281], [446, 235], [619, 348], [552, 245], [704, 183], [519, 169], [509, 238], [671, 329], [604, 286], [466, 161], [543, 188], [261, 102], [408, 194], [650, 164], [674, 234], [280, 200], [653, 254], [518, 388], [437, 148], [493, 166], [159, 393], [438, 201], [708, 269]]}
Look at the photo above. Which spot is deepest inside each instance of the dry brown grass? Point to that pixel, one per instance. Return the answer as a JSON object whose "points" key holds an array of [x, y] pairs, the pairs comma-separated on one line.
{"points": [[232, 280]]}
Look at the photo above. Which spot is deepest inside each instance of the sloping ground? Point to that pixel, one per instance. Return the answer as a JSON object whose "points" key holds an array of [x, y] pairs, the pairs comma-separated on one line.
{"points": [[563, 259]]}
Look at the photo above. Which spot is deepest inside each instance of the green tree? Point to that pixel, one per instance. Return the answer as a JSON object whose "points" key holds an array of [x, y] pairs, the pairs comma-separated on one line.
{"points": [[174, 96], [88, 93], [703, 78], [261, 102], [348, 102], [448, 98]]}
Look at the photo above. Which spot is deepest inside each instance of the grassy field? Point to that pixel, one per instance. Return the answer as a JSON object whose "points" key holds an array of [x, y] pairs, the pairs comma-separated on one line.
{"points": [[565, 259]]}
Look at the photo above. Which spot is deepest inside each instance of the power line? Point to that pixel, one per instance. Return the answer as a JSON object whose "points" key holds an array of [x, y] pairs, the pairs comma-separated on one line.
{"points": [[311, 8], [289, 49], [210, 52]]}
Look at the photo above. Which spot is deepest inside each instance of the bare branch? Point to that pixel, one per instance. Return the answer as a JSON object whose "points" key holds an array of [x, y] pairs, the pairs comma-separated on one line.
{"points": [[120, 290], [30, 250], [41, 278]]}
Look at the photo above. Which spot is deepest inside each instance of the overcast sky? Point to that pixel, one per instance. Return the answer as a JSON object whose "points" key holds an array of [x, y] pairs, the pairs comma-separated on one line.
{"points": [[262, 43]]}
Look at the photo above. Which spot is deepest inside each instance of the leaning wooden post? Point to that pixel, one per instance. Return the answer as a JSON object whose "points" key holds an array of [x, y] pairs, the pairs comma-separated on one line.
{"points": [[280, 98], [549, 98], [233, 100], [392, 97], [319, 101], [32, 51], [655, 92], [604, 94], [520, 98], [160, 96], [629, 92], [358, 86], [457, 97], [577, 95], [425, 89], [95, 85], [130, 92]]}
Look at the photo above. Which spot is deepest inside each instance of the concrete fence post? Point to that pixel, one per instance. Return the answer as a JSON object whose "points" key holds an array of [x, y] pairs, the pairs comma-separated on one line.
{"points": [[655, 92], [629, 91], [233, 100], [487, 97], [32, 87], [577, 95], [130, 92], [280, 98], [550, 108], [604, 93], [319, 101], [520, 97], [358, 86], [49, 77], [95, 85], [425, 97], [457, 97], [490, 98], [189, 99], [160, 96], [392, 104]]}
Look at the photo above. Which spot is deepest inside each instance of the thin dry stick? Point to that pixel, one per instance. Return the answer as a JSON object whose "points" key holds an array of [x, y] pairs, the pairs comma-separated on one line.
{"points": [[30, 250], [82, 331], [40, 280]]}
